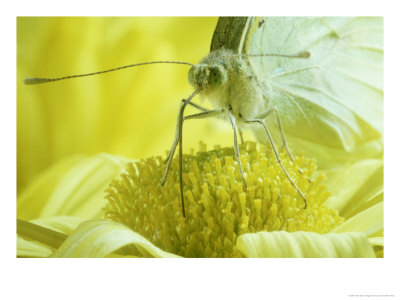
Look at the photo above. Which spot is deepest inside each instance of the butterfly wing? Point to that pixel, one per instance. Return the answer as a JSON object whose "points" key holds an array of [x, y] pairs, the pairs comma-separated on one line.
{"points": [[331, 104], [232, 33]]}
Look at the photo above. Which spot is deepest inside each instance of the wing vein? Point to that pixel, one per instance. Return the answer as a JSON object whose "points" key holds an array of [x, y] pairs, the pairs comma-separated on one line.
{"points": [[294, 71], [293, 100], [339, 116]]}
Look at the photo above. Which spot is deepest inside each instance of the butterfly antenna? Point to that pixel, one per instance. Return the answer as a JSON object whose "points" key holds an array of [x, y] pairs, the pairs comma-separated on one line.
{"points": [[33, 80]]}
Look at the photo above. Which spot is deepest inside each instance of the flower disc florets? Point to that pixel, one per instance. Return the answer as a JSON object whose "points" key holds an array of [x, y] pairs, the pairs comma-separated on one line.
{"points": [[218, 208]]}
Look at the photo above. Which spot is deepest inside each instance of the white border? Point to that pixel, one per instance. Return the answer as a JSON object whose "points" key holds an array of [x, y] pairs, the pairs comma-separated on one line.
{"points": [[198, 279]]}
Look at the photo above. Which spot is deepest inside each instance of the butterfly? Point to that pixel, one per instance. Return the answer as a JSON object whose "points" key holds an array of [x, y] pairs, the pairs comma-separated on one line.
{"points": [[331, 100], [315, 79], [334, 99]]}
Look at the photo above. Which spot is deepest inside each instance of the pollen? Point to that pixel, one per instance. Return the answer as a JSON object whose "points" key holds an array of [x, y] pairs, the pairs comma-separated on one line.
{"points": [[218, 207]]}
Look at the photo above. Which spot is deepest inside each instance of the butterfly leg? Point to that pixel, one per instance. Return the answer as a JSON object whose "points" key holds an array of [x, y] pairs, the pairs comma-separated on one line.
{"points": [[266, 114], [181, 118], [175, 143], [271, 141], [236, 147], [204, 114], [241, 136]]}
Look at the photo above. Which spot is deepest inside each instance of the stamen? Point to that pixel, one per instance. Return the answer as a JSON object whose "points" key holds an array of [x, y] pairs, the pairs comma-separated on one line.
{"points": [[218, 209]]}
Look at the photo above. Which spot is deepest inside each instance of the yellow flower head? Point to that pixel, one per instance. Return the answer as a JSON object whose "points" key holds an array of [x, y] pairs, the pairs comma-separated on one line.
{"points": [[62, 173], [218, 209]]}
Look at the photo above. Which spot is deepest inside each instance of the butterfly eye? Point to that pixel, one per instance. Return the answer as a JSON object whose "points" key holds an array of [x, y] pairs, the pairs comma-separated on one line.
{"points": [[218, 76], [191, 76]]}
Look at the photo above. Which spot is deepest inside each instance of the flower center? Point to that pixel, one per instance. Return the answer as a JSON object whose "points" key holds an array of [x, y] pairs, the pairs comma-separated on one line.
{"points": [[218, 208]]}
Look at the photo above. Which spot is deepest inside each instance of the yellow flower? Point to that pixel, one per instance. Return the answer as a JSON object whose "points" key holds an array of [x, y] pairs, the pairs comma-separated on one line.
{"points": [[223, 220], [219, 210], [62, 179]]}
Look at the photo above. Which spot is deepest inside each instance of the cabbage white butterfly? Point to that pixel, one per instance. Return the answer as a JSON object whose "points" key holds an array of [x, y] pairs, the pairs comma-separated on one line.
{"points": [[230, 76]]}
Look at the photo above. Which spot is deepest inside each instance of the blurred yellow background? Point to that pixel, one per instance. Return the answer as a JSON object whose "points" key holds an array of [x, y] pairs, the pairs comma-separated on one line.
{"points": [[130, 112]]}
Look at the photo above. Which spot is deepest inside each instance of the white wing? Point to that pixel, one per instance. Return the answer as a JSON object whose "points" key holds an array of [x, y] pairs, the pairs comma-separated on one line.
{"points": [[333, 99]]}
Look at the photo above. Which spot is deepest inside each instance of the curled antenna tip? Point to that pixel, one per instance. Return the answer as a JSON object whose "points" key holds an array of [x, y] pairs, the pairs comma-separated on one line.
{"points": [[31, 80], [28, 80], [304, 54]]}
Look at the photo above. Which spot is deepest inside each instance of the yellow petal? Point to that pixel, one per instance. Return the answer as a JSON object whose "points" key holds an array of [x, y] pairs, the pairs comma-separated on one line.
{"points": [[356, 187], [75, 188], [376, 241], [63, 224], [28, 248], [304, 244], [369, 221], [32, 199], [100, 238], [28, 245]]}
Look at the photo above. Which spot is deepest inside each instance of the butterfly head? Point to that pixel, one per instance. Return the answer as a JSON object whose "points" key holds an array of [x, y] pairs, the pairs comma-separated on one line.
{"points": [[207, 77]]}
